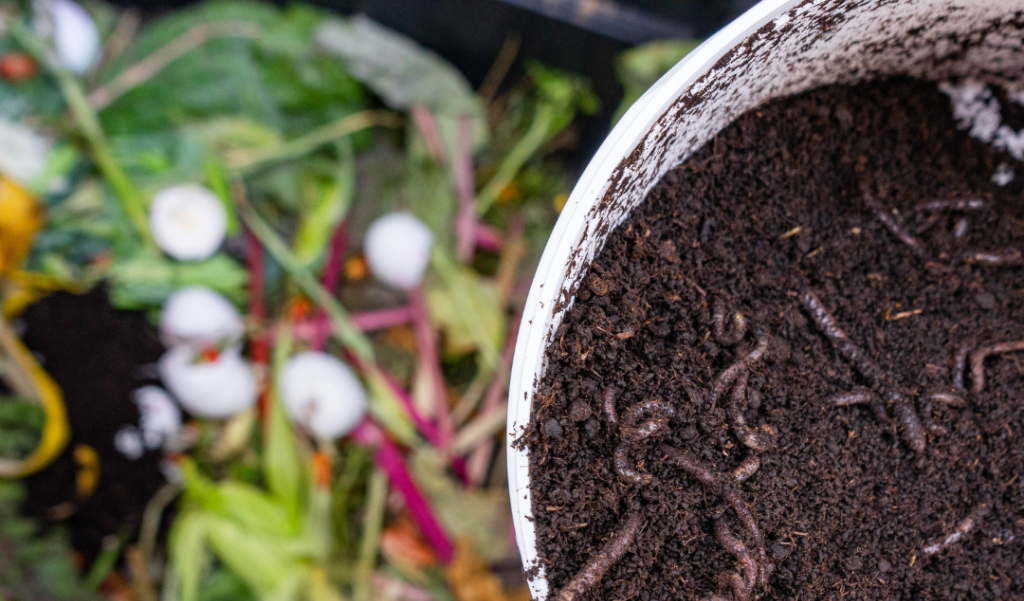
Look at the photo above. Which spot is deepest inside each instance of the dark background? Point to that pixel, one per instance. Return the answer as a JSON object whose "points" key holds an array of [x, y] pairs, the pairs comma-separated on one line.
{"points": [[576, 37]]}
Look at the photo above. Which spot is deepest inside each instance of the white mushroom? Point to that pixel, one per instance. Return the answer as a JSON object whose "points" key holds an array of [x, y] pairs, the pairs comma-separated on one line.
{"points": [[199, 317], [322, 394], [75, 36], [215, 389], [188, 221], [159, 416], [397, 249]]}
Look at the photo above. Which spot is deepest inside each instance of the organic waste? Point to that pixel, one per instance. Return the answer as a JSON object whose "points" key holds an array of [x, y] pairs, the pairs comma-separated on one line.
{"points": [[261, 272]]}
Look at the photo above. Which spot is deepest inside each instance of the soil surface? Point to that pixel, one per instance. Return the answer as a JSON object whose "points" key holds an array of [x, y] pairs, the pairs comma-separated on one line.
{"points": [[769, 212], [99, 357]]}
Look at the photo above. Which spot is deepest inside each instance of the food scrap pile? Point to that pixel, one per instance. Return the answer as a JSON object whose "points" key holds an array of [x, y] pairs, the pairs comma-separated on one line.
{"points": [[261, 272]]}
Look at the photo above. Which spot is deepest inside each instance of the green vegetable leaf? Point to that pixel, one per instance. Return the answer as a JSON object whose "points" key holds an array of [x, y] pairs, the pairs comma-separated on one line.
{"points": [[319, 220], [467, 308], [638, 68], [187, 547], [403, 73], [147, 280], [282, 467]]}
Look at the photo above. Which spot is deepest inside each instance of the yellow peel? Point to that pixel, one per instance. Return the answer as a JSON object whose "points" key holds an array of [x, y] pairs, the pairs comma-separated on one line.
{"points": [[56, 432], [20, 218]]}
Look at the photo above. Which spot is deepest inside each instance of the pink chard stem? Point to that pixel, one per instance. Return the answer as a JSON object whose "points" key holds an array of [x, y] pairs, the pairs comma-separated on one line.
{"points": [[465, 224], [330, 281], [480, 458], [429, 360], [431, 131]]}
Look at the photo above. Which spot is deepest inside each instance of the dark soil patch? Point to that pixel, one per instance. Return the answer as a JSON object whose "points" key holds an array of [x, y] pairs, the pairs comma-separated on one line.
{"points": [[99, 357], [845, 505]]}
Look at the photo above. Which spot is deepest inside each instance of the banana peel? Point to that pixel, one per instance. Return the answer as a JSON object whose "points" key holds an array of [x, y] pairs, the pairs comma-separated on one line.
{"points": [[20, 218], [26, 378]]}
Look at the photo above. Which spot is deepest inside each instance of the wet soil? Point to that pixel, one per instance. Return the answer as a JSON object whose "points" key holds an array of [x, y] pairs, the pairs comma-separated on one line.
{"points": [[769, 211], [98, 356]]}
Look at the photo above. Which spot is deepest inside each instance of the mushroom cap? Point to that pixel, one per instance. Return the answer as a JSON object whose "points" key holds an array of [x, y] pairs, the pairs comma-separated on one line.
{"points": [[397, 248], [198, 316], [159, 416], [322, 394], [214, 389], [188, 221], [75, 35]]}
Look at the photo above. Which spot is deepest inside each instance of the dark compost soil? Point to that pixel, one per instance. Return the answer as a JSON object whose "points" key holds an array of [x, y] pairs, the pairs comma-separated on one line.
{"points": [[847, 508], [98, 356]]}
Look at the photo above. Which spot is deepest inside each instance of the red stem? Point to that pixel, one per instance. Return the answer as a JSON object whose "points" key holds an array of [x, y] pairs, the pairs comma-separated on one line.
{"points": [[431, 131], [330, 281], [426, 343], [257, 312], [390, 460], [465, 224]]}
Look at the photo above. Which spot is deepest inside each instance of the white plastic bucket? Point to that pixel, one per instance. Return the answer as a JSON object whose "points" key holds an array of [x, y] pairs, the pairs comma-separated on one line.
{"points": [[777, 48]]}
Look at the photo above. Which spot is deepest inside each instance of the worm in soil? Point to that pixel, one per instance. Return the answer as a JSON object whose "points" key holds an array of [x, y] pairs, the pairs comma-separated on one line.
{"points": [[962, 227], [861, 397], [609, 407], [659, 413], [1009, 257], [603, 560], [742, 583], [751, 437], [979, 356], [961, 530], [718, 326], [746, 469], [947, 398], [912, 427], [727, 377], [973, 204], [959, 365], [689, 464], [893, 225]]}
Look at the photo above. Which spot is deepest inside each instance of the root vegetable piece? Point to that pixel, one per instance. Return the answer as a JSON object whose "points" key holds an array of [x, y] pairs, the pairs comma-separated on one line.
{"points": [[214, 389], [397, 249], [198, 316], [323, 394], [188, 222]]}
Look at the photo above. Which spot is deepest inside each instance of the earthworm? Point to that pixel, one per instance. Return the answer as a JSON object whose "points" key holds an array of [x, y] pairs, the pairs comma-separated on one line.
{"points": [[718, 325], [747, 435], [959, 365], [624, 468], [912, 427], [962, 529], [973, 204], [609, 407], [894, 226], [857, 397], [743, 582], [850, 351], [727, 377], [603, 560], [1010, 256], [747, 469], [978, 360], [660, 411], [913, 430], [947, 398], [689, 464]]}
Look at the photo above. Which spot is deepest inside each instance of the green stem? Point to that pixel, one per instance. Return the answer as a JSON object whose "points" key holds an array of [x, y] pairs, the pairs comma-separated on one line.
{"points": [[530, 143], [244, 161], [348, 334], [132, 201], [373, 523]]}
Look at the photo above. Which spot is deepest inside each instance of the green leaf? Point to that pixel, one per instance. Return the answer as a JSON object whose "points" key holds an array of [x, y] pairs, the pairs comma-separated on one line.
{"points": [[467, 308], [319, 220], [147, 280], [402, 72], [187, 549], [282, 467], [258, 560]]}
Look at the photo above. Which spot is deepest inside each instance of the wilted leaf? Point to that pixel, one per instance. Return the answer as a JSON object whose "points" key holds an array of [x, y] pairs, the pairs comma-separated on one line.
{"points": [[402, 72], [467, 308], [469, 577]]}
